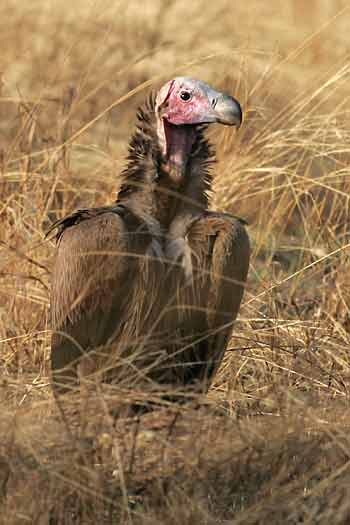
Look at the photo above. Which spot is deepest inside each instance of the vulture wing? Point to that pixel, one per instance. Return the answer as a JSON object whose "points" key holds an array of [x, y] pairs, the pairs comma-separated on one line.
{"points": [[99, 253], [220, 251]]}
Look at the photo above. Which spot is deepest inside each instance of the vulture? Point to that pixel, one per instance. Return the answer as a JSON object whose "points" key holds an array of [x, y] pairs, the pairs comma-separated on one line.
{"points": [[147, 288]]}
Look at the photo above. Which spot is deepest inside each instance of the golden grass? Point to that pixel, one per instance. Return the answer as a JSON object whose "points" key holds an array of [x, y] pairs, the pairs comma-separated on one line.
{"points": [[270, 443]]}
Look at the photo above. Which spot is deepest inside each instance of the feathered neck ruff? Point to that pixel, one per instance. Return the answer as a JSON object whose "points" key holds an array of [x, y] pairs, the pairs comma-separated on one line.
{"points": [[146, 186]]}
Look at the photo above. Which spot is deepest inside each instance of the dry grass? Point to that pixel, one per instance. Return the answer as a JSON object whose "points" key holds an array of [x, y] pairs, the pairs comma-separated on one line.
{"points": [[270, 443]]}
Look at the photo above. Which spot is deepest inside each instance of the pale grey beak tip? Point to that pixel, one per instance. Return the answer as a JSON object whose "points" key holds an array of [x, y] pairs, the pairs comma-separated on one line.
{"points": [[228, 111]]}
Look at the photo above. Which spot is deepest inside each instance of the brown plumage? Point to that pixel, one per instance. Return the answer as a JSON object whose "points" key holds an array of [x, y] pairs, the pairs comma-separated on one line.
{"points": [[154, 281]]}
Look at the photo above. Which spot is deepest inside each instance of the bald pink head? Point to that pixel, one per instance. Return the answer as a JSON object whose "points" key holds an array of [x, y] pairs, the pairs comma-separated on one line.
{"points": [[182, 104], [185, 100]]}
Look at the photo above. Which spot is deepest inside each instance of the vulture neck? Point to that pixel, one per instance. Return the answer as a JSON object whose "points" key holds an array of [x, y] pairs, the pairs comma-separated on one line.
{"points": [[157, 190]]}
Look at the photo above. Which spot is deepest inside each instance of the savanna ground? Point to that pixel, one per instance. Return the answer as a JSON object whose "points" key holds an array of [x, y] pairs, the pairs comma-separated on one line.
{"points": [[270, 443]]}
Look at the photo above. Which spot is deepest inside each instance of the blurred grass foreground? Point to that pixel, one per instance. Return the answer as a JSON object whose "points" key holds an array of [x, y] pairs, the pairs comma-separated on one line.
{"points": [[270, 443]]}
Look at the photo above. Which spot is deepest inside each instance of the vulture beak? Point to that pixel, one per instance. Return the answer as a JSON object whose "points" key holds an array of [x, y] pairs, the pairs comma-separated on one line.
{"points": [[227, 110]]}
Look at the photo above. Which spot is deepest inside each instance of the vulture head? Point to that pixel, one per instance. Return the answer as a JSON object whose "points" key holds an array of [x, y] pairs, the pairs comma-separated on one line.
{"points": [[182, 104]]}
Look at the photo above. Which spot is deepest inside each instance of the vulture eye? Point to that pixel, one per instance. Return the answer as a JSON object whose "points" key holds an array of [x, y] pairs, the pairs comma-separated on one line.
{"points": [[185, 96]]}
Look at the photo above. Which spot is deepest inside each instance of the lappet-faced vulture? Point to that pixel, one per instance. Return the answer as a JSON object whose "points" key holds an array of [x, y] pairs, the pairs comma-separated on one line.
{"points": [[155, 280]]}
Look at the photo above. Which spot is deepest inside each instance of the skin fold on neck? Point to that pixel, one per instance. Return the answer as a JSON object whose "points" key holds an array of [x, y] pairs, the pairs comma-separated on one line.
{"points": [[176, 144]]}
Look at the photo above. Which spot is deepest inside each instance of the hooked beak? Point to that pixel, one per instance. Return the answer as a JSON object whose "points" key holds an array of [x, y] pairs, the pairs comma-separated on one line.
{"points": [[227, 110]]}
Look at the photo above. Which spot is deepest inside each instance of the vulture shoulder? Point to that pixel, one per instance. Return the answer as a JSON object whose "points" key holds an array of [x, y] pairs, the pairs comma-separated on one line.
{"points": [[96, 251]]}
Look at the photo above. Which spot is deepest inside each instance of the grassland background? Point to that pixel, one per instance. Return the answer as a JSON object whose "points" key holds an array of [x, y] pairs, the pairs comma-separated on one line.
{"points": [[271, 441]]}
